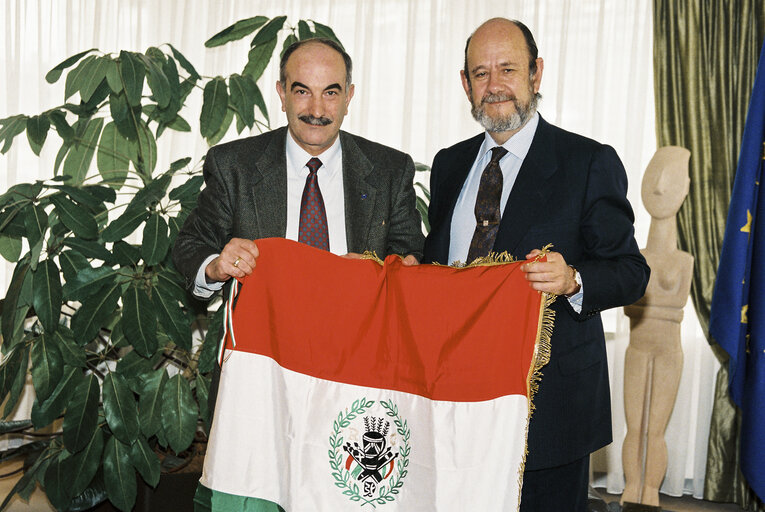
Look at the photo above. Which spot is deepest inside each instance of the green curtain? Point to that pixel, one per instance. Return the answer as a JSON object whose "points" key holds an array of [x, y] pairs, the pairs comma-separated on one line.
{"points": [[705, 59]]}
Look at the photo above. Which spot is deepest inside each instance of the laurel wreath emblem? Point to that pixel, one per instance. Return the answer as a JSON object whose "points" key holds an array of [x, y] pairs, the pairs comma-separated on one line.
{"points": [[385, 493]]}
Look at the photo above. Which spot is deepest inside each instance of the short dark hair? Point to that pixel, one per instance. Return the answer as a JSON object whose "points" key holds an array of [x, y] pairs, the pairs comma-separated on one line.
{"points": [[531, 46], [321, 40]]}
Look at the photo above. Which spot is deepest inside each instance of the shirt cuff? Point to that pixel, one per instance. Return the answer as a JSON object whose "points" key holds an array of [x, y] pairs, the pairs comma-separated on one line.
{"points": [[576, 300], [204, 289]]}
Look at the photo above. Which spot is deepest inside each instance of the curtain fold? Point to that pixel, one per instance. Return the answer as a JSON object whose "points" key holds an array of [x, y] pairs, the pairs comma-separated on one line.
{"points": [[705, 58]]}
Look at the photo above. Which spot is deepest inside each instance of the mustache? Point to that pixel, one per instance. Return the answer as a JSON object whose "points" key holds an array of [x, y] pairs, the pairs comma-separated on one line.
{"points": [[496, 98], [315, 121]]}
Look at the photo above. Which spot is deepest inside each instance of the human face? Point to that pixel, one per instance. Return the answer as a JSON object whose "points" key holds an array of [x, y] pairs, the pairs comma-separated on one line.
{"points": [[499, 86], [315, 96]]}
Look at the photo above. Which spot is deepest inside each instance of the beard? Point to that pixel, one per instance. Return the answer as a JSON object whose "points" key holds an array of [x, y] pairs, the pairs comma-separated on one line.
{"points": [[503, 123]]}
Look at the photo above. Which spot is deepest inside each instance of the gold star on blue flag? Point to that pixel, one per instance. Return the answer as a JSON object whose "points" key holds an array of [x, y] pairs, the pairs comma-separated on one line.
{"points": [[737, 320]]}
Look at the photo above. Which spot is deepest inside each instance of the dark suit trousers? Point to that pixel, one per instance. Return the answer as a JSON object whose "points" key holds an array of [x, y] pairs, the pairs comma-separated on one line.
{"points": [[558, 489]]}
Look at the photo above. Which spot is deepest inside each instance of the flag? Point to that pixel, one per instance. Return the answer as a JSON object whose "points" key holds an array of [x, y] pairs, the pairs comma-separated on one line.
{"points": [[737, 320], [352, 385]]}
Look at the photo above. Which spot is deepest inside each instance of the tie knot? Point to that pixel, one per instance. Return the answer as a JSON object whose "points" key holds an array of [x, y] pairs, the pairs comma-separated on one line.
{"points": [[313, 165], [497, 152]]}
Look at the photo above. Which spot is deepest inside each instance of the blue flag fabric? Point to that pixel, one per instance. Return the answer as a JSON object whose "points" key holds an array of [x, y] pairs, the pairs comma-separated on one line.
{"points": [[737, 319]]}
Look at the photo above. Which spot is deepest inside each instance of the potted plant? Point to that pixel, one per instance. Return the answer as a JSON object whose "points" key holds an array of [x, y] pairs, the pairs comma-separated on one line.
{"points": [[119, 354]]}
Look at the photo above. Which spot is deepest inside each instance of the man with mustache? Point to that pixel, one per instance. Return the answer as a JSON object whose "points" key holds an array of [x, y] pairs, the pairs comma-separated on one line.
{"points": [[308, 182], [522, 184]]}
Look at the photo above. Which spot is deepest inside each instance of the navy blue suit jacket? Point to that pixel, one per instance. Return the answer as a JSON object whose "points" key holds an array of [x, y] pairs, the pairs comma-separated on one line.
{"points": [[571, 192]]}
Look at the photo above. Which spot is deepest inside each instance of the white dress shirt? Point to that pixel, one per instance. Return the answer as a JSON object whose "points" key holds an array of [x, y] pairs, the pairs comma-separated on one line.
{"points": [[463, 217], [330, 180]]}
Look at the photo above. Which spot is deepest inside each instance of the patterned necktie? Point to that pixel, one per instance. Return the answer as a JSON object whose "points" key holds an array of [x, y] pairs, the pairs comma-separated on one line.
{"points": [[487, 213], [313, 217]]}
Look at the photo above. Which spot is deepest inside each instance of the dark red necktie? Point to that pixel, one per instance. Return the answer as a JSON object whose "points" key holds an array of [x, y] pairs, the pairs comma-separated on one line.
{"points": [[313, 217], [487, 212]]}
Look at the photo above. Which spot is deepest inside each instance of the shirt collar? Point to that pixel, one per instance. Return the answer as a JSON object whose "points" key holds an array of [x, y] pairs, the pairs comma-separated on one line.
{"points": [[519, 144], [297, 157]]}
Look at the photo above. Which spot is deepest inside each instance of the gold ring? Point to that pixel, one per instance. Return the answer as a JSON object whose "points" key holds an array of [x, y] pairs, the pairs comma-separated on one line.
{"points": [[236, 262]]}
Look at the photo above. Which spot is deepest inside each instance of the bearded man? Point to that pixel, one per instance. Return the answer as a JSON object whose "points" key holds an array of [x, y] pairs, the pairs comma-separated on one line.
{"points": [[518, 186]]}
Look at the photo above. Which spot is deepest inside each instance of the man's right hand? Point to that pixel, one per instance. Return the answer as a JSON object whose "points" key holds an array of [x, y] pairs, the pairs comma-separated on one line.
{"points": [[237, 259]]}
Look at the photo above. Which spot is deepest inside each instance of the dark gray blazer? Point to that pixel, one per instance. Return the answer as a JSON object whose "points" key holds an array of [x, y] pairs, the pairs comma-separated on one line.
{"points": [[246, 197]]}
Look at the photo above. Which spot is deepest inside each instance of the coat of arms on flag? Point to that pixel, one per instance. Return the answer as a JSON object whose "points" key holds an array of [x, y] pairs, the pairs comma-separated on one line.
{"points": [[356, 385]]}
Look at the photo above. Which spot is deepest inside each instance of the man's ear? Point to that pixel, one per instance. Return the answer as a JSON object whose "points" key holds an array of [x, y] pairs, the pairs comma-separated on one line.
{"points": [[282, 94], [348, 97], [537, 81], [465, 84]]}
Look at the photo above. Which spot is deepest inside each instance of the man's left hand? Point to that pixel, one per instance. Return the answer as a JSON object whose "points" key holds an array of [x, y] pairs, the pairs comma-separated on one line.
{"points": [[551, 276]]}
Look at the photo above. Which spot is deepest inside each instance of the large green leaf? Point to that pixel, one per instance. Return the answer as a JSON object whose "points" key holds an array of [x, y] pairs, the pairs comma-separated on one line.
{"points": [[56, 482], [304, 31], [120, 408], [119, 475], [203, 398], [88, 282], [179, 413], [96, 73], [171, 316], [58, 118], [155, 242], [18, 382], [72, 262], [37, 131], [11, 126], [258, 59], [185, 64], [236, 31], [78, 219], [126, 118], [158, 82], [151, 401], [9, 369], [113, 158], [269, 31], [46, 285], [143, 458], [242, 93], [47, 366], [11, 303], [287, 42], [54, 74], [88, 248], [35, 222], [133, 74], [91, 197], [72, 354], [80, 156], [139, 321], [325, 31], [126, 254], [113, 77], [125, 224], [143, 152], [81, 418], [10, 248], [136, 368], [94, 313], [44, 413], [79, 76], [214, 106], [188, 190], [209, 349], [83, 465], [216, 137]]}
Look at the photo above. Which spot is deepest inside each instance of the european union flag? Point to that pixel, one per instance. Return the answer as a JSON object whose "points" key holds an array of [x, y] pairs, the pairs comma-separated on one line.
{"points": [[737, 320]]}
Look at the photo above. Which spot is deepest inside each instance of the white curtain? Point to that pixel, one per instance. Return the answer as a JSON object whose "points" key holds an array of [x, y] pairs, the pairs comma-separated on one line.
{"points": [[598, 81]]}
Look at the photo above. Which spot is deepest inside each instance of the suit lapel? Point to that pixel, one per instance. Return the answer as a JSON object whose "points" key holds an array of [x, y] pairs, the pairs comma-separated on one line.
{"points": [[359, 193], [269, 187], [528, 199]]}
